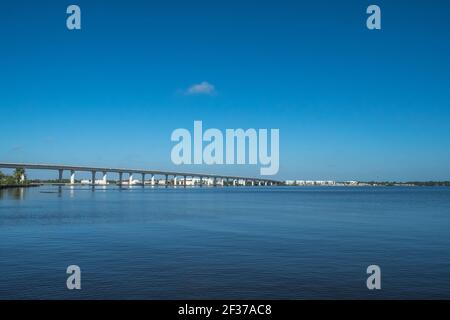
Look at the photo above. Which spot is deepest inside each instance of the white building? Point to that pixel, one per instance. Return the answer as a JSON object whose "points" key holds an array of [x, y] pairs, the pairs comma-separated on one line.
{"points": [[97, 182], [127, 182], [310, 183]]}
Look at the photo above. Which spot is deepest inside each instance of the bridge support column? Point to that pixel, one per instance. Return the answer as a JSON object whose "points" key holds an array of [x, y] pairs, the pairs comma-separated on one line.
{"points": [[72, 177], [143, 179], [184, 181], [167, 181], [120, 178], [130, 179], [93, 178], [60, 175], [201, 181]]}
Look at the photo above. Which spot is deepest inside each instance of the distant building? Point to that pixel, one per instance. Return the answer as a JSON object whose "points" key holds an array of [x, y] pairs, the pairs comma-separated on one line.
{"points": [[310, 183], [133, 182], [97, 182], [326, 183]]}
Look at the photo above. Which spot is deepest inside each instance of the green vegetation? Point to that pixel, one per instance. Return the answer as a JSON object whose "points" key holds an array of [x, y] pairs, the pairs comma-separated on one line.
{"points": [[430, 183], [15, 179]]}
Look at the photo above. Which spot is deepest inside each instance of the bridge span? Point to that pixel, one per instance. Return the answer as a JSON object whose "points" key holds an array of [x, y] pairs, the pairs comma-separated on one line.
{"points": [[231, 180]]}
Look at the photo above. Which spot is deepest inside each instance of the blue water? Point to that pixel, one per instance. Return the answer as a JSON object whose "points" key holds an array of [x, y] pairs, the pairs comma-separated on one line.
{"points": [[224, 243]]}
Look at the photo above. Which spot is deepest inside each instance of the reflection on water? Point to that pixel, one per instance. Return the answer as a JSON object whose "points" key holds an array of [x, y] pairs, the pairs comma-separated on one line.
{"points": [[13, 193], [224, 243]]}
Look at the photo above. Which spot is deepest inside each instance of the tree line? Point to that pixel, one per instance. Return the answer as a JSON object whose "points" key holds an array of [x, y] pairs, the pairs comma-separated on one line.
{"points": [[14, 179]]}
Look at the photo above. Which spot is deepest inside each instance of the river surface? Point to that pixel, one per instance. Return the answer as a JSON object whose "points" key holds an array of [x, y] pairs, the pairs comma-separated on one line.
{"points": [[225, 243]]}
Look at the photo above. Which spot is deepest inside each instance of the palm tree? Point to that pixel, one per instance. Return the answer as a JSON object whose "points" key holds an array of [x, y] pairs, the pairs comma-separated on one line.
{"points": [[19, 175]]}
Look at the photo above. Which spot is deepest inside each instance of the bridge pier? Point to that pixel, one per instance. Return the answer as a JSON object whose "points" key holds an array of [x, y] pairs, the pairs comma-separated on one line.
{"points": [[167, 181], [130, 179], [120, 178], [93, 178], [60, 175], [72, 177], [143, 180]]}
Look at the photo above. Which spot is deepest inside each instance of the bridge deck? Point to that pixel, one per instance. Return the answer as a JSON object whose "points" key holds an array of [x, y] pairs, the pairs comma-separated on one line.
{"points": [[124, 170]]}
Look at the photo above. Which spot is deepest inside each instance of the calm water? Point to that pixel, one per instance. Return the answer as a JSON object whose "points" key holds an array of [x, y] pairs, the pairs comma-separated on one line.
{"points": [[264, 243]]}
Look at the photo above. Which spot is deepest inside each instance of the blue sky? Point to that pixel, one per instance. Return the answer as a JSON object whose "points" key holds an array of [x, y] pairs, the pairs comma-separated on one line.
{"points": [[350, 103]]}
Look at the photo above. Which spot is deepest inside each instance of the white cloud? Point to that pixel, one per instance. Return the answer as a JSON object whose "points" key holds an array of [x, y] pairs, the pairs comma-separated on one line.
{"points": [[203, 88]]}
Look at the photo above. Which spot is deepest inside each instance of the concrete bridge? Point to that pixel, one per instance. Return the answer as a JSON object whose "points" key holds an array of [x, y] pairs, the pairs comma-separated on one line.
{"points": [[231, 180]]}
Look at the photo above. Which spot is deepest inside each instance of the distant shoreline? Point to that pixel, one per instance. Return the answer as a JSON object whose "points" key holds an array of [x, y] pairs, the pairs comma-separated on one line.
{"points": [[359, 185], [302, 183]]}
